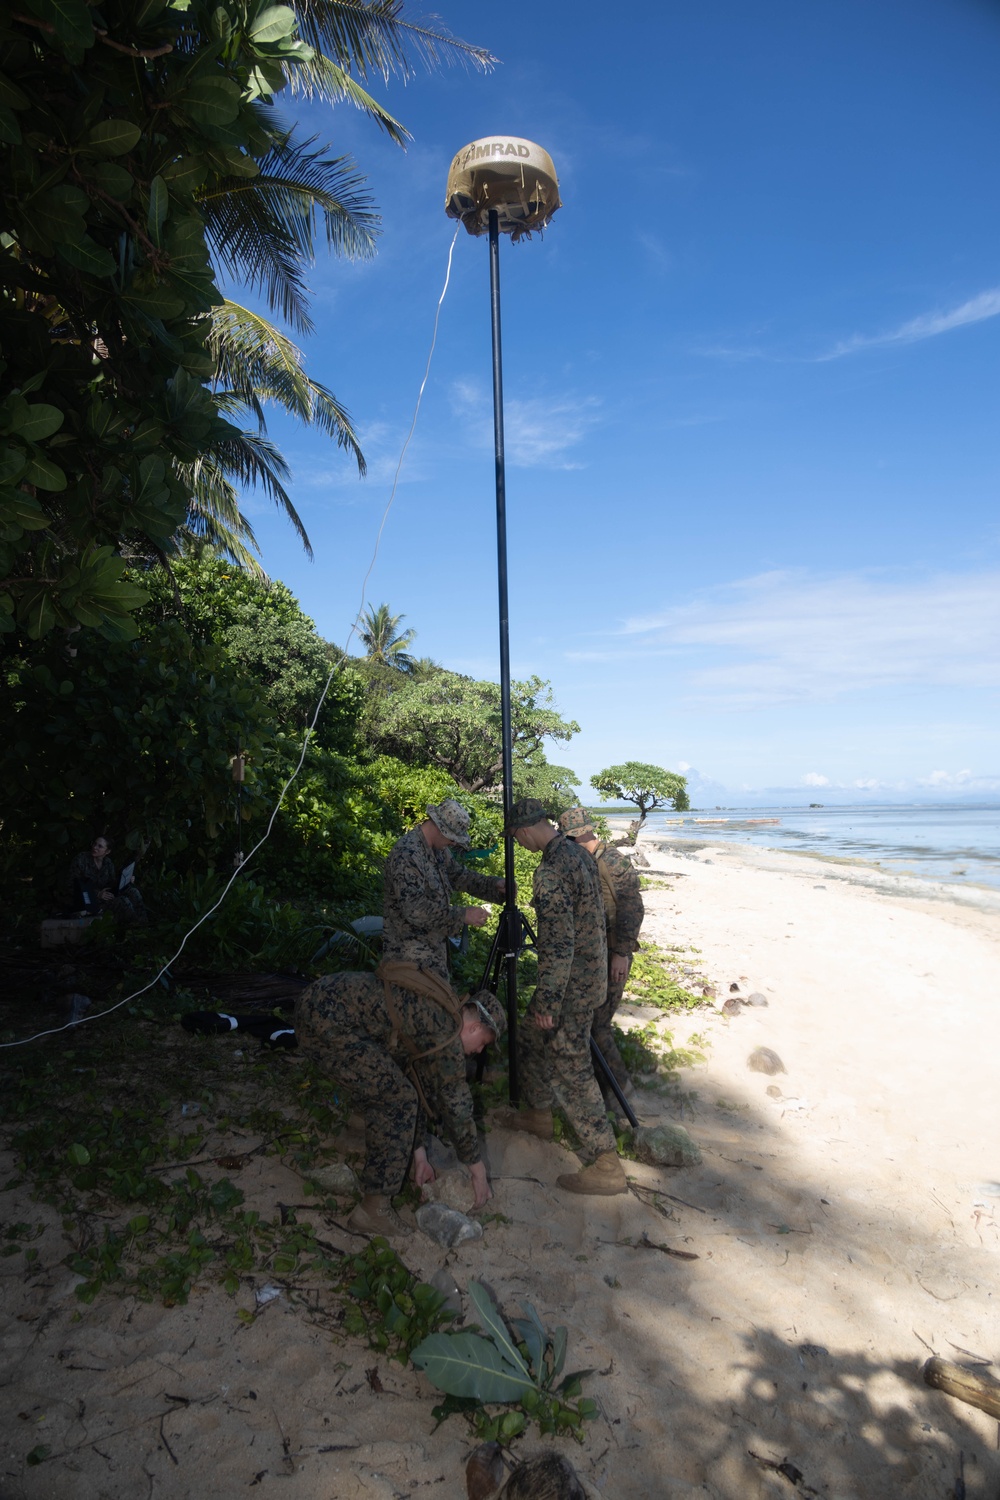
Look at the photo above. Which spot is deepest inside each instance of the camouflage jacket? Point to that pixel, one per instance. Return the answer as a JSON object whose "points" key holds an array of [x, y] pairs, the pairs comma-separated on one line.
{"points": [[572, 946], [623, 908], [86, 871], [355, 1005], [419, 885]]}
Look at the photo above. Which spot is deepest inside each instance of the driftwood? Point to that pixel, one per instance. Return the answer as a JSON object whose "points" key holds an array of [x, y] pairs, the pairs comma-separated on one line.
{"points": [[975, 1390]]}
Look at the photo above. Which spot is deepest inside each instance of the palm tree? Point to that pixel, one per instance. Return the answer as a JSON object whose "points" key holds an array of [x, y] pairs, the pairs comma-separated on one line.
{"points": [[384, 642], [263, 228]]}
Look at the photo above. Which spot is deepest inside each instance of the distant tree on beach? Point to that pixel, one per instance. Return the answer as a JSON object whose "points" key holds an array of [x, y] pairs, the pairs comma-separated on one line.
{"points": [[647, 786]]}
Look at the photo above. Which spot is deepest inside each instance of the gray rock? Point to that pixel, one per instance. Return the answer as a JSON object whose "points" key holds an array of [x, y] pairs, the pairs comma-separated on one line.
{"points": [[444, 1282], [639, 859], [666, 1146], [763, 1060], [757, 998], [337, 1178], [447, 1225]]}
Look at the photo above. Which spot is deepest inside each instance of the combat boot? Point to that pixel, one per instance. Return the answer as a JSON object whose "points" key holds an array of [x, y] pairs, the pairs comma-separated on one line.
{"points": [[603, 1178], [534, 1121], [376, 1215]]}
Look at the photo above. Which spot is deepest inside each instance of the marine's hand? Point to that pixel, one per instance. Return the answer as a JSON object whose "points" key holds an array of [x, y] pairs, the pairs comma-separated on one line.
{"points": [[480, 1184], [476, 916], [543, 1023], [618, 968], [423, 1172], [501, 886]]}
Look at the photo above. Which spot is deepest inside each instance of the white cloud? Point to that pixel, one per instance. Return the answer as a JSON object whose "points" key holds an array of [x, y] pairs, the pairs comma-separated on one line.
{"points": [[926, 326], [946, 778], [787, 637], [813, 778], [538, 433]]}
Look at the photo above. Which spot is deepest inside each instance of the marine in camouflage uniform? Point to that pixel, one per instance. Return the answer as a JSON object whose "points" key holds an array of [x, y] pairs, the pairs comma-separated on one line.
{"points": [[421, 877], [401, 1058], [554, 1041], [623, 914]]}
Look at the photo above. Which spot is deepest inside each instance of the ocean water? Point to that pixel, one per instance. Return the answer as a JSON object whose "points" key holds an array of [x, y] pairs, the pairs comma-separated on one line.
{"points": [[960, 845]]}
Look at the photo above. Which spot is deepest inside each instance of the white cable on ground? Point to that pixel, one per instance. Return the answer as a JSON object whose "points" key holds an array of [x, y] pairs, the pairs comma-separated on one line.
{"points": [[99, 1015]]}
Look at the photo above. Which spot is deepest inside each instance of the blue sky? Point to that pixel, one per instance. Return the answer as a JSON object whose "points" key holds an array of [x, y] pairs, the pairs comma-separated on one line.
{"points": [[751, 374]]}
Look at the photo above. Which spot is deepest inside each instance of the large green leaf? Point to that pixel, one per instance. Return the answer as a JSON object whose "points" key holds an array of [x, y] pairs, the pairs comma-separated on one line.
{"points": [[111, 179], [19, 509], [87, 255], [10, 95], [159, 202], [44, 474], [10, 130], [211, 101], [465, 1364], [59, 212], [272, 24], [70, 19], [114, 137], [494, 1325], [12, 463]]}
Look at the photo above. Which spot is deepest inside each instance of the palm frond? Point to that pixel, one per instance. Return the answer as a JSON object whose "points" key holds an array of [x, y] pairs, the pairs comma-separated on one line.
{"points": [[263, 229], [252, 459], [214, 518], [322, 78], [372, 36], [257, 362]]}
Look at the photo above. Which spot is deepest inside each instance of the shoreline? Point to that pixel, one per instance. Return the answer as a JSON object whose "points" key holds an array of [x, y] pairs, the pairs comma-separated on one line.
{"points": [[854, 870]]}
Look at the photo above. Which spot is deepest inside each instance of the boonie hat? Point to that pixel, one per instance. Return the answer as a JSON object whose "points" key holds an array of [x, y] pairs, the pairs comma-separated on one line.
{"points": [[529, 810], [576, 822], [452, 819], [491, 1012]]}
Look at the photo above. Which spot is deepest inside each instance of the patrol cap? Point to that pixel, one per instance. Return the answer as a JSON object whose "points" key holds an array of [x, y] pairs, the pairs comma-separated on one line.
{"points": [[490, 1010], [576, 822], [529, 810], [452, 819]]}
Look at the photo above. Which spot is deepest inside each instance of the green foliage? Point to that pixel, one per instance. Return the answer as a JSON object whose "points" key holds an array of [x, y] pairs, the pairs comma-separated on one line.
{"points": [[98, 1132], [650, 982], [394, 1310], [520, 1365], [107, 135], [453, 722], [135, 738], [133, 141], [647, 786], [265, 636]]}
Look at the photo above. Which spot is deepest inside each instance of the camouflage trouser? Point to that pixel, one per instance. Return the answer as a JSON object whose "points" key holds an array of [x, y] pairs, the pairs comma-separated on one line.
{"points": [[556, 1068], [377, 1088], [603, 1034]]}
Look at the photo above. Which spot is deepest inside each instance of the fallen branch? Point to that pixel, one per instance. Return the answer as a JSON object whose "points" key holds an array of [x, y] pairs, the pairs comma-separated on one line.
{"points": [[974, 1390]]}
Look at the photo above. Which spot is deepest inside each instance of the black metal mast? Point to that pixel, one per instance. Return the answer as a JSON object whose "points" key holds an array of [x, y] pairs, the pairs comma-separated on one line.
{"points": [[511, 920]]}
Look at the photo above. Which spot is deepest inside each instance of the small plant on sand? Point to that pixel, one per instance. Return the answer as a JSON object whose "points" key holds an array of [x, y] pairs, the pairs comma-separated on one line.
{"points": [[393, 1310], [650, 982], [518, 1367], [649, 1050]]}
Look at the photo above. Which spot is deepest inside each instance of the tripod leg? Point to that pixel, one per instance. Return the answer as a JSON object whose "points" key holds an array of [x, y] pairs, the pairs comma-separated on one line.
{"points": [[613, 1083]]}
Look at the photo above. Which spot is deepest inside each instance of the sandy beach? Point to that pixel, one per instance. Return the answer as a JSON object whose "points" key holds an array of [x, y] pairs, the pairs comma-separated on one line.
{"points": [[844, 1218]]}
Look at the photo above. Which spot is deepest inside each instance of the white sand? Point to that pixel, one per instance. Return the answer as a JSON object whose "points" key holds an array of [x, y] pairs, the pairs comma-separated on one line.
{"points": [[845, 1232]]}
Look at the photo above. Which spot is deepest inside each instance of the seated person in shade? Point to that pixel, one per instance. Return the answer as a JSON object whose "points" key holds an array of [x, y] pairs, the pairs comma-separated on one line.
{"points": [[94, 886]]}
